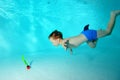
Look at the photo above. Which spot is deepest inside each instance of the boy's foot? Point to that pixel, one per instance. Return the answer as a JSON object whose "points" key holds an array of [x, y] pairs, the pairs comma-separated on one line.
{"points": [[116, 12], [86, 27]]}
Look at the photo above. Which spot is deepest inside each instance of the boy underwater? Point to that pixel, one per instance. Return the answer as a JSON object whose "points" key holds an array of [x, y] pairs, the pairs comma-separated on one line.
{"points": [[87, 35]]}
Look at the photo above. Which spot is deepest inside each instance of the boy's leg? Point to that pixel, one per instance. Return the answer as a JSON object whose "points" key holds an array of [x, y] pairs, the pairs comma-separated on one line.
{"points": [[92, 44], [112, 21], [108, 31]]}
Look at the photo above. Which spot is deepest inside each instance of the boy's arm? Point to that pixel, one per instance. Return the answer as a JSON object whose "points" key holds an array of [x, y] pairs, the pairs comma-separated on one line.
{"points": [[68, 45]]}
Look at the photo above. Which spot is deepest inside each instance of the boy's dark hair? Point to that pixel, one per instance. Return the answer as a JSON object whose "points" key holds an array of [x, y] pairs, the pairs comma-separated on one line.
{"points": [[56, 34]]}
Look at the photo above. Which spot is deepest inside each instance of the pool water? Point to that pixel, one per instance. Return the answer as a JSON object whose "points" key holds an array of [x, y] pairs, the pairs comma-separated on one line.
{"points": [[24, 29]]}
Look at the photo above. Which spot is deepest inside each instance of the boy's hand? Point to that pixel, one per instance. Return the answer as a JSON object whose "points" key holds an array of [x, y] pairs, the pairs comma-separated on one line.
{"points": [[66, 44], [71, 52]]}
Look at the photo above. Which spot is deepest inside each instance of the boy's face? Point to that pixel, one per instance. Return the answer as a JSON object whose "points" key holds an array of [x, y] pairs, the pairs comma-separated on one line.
{"points": [[55, 42]]}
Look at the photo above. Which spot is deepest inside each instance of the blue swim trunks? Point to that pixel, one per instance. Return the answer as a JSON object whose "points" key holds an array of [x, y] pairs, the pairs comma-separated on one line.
{"points": [[90, 34]]}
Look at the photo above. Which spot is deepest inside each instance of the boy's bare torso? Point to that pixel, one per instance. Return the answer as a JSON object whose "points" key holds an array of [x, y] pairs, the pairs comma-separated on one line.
{"points": [[76, 40]]}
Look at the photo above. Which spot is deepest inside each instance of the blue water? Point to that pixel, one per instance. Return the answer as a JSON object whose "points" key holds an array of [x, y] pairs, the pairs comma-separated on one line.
{"points": [[24, 29]]}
